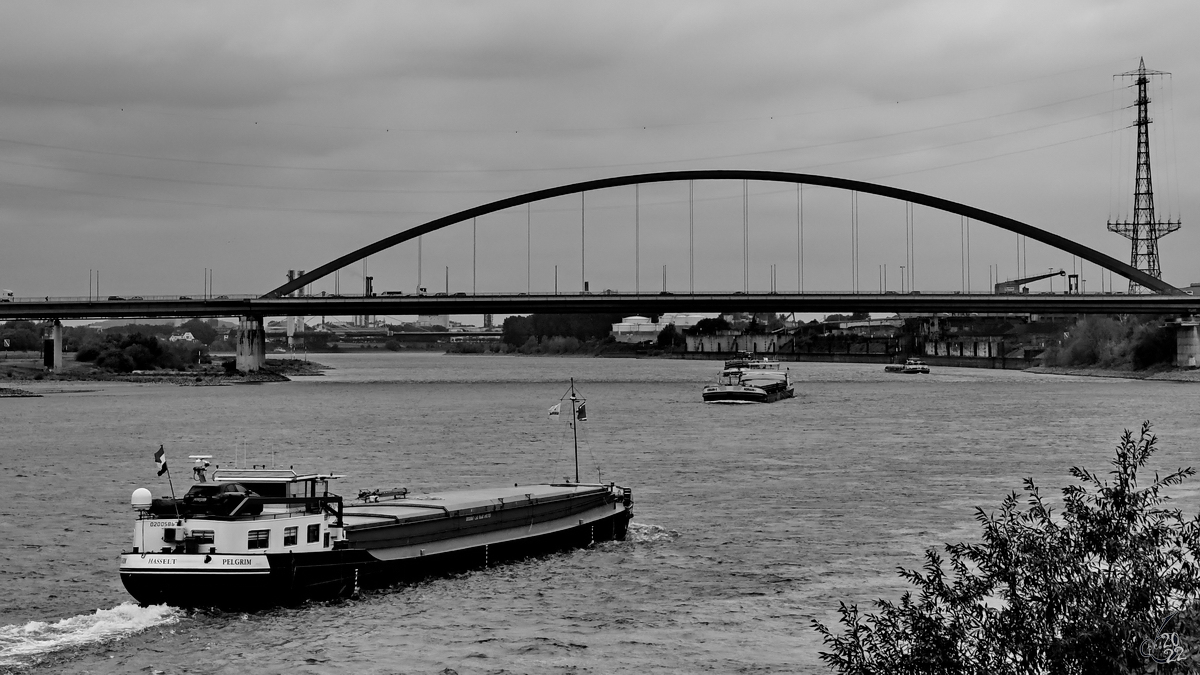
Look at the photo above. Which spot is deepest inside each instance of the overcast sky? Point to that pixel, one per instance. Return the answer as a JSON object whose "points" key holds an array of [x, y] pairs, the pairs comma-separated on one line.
{"points": [[153, 140]]}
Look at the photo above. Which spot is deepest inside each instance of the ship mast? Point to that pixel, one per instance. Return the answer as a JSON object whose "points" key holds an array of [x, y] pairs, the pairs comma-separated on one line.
{"points": [[575, 427], [578, 414]]}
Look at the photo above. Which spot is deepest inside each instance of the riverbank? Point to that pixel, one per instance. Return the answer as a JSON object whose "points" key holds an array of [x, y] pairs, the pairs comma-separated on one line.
{"points": [[207, 375], [1159, 373]]}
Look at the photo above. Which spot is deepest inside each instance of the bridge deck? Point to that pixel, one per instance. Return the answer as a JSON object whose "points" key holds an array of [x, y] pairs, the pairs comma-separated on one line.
{"points": [[609, 303]]}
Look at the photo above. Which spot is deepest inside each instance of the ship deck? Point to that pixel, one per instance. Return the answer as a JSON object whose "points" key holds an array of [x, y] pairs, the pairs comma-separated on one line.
{"points": [[459, 503]]}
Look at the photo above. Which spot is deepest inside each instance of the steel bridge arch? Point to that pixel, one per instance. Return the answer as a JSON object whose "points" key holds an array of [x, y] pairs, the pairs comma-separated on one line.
{"points": [[1037, 234]]}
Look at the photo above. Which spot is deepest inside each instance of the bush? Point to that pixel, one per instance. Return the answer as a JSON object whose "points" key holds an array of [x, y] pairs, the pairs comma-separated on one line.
{"points": [[1106, 342], [1152, 345], [530, 346], [115, 360], [1089, 591], [124, 353], [1095, 340], [88, 352]]}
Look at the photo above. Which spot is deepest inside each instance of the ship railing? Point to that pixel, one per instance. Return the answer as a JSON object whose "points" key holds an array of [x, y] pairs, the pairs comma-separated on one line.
{"points": [[331, 504], [311, 504]]}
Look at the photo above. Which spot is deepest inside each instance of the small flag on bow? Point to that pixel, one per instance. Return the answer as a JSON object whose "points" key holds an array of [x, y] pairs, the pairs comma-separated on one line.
{"points": [[554, 412], [582, 414], [158, 459]]}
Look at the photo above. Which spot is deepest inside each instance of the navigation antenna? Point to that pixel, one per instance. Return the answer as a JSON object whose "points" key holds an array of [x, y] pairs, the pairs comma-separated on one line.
{"points": [[1144, 230], [578, 414]]}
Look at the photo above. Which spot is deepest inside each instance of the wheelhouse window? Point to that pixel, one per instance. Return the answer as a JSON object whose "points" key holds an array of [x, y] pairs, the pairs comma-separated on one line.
{"points": [[290, 536], [314, 533], [203, 536], [258, 539]]}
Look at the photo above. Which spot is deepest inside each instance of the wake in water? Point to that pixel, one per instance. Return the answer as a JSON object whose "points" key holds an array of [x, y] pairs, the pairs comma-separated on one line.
{"points": [[20, 645], [642, 533]]}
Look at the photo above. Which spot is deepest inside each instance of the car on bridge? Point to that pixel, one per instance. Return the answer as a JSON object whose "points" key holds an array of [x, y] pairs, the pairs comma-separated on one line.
{"points": [[115, 297], [6, 295]]}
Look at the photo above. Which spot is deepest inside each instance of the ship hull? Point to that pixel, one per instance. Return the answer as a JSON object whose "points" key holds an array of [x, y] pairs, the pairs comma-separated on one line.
{"points": [[742, 394], [251, 581]]}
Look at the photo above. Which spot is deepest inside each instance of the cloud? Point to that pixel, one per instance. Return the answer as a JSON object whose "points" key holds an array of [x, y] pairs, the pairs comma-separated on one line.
{"points": [[271, 136]]}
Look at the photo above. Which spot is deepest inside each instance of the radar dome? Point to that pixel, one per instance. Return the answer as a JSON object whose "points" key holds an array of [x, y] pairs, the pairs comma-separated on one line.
{"points": [[141, 499]]}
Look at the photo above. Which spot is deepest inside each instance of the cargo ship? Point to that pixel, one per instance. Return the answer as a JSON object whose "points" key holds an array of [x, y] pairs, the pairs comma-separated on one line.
{"points": [[260, 537], [910, 366], [747, 379]]}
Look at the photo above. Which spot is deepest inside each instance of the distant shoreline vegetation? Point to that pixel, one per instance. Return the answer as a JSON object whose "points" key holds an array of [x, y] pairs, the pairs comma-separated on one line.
{"points": [[1138, 343], [127, 353]]}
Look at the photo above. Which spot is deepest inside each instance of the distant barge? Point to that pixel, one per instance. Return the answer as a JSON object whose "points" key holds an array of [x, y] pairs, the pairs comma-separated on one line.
{"points": [[261, 537], [749, 379], [910, 366]]}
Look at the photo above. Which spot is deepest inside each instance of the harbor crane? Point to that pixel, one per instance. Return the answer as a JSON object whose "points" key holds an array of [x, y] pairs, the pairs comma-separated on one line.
{"points": [[1014, 287]]}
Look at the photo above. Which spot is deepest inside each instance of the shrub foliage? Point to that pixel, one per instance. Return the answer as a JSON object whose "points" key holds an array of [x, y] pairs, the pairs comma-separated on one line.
{"points": [[1112, 343], [125, 353], [1107, 586]]}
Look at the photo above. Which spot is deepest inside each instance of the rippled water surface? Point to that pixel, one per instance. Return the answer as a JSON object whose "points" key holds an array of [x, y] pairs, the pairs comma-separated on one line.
{"points": [[750, 521]]}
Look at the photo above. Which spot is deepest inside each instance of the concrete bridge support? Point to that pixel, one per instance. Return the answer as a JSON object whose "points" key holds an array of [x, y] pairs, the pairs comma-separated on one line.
{"points": [[252, 344], [1187, 342], [54, 360]]}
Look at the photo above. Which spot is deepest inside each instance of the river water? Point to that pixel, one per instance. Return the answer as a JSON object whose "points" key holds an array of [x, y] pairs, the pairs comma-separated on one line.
{"points": [[750, 521]]}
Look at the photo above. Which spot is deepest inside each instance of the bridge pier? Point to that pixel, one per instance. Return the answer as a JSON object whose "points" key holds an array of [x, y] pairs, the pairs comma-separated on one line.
{"points": [[52, 359], [1187, 342], [252, 344]]}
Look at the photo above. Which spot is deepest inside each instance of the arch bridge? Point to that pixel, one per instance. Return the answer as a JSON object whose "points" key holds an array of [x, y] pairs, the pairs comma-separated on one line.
{"points": [[1003, 222], [251, 344]]}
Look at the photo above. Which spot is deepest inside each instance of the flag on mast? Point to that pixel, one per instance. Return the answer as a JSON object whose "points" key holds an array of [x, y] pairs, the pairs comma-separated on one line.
{"points": [[581, 415], [160, 461], [554, 412]]}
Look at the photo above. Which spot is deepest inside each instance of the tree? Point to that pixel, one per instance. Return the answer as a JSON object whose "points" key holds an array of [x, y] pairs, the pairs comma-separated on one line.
{"points": [[857, 316], [582, 327], [124, 353], [21, 335], [1091, 590], [710, 326], [670, 337], [516, 330], [203, 331]]}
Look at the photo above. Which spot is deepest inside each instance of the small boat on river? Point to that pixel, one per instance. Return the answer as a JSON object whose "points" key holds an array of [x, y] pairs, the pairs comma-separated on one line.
{"points": [[260, 537], [910, 366], [750, 379]]}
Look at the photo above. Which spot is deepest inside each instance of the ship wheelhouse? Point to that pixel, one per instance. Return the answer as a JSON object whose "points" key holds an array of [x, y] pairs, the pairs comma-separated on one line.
{"points": [[244, 511]]}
